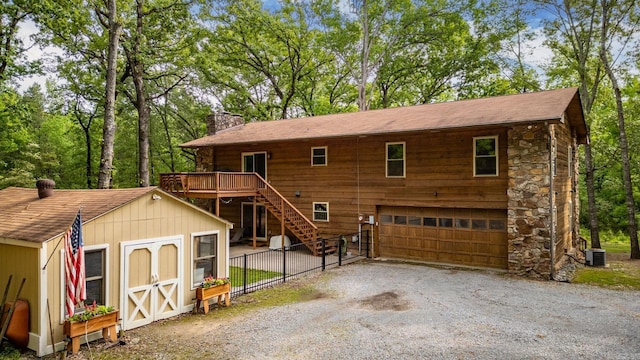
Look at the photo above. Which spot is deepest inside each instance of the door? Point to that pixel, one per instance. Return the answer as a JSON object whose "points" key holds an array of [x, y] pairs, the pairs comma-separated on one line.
{"points": [[261, 220], [151, 281], [255, 162], [475, 237]]}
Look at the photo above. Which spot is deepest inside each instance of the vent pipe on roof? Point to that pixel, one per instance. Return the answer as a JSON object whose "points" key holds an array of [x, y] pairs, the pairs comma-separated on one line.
{"points": [[45, 188]]}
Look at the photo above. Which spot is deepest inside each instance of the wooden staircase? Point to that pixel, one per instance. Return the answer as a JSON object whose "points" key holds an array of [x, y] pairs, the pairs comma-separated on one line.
{"points": [[223, 184]]}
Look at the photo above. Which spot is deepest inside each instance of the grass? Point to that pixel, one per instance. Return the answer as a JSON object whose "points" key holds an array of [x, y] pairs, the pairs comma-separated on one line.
{"points": [[618, 275], [253, 275]]}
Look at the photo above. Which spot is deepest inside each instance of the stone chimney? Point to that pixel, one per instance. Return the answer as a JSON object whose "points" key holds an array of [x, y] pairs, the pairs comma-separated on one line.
{"points": [[45, 188], [221, 121]]}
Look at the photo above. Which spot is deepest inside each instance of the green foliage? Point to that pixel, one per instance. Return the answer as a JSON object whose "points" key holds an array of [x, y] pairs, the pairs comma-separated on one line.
{"points": [[91, 312], [619, 279]]}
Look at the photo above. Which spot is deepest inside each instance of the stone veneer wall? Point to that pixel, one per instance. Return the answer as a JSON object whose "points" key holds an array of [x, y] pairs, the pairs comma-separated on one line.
{"points": [[528, 208]]}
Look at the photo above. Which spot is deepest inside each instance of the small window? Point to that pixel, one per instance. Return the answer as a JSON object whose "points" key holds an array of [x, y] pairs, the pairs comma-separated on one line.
{"points": [[446, 222], [320, 211], [386, 219], [204, 257], [485, 156], [497, 225], [462, 223], [430, 221], [94, 265], [395, 160], [400, 220], [478, 224], [414, 220], [319, 156]]}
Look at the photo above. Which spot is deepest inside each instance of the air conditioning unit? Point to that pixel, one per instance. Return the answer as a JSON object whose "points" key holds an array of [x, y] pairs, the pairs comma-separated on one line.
{"points": [[596, 257]]}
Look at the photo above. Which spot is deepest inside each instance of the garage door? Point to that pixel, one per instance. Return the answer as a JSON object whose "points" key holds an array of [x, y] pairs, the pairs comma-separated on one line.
{"points": [[475, 237]]}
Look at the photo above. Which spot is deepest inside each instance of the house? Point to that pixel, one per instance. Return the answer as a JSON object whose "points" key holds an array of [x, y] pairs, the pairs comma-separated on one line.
{"points": [[145, 252], [487, 182]]}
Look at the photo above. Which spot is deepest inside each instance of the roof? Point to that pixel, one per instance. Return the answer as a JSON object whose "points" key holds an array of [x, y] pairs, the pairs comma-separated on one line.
{"points": [[27, 217], [549, 105]]}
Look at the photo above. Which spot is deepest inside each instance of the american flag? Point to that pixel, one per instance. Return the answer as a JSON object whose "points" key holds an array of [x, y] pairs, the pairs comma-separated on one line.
{"points": [[74, 265]]}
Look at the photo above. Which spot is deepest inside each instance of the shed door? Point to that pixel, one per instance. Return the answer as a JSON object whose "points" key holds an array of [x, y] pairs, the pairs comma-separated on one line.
{"points": [[151, 282], [475, 237]]}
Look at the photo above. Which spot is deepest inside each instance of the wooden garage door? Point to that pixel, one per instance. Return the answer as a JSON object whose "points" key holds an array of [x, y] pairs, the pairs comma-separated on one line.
{"points": [[475, 237]]}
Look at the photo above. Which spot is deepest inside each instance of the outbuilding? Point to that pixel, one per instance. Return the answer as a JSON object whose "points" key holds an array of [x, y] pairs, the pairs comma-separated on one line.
{"points": [[145, 253]]}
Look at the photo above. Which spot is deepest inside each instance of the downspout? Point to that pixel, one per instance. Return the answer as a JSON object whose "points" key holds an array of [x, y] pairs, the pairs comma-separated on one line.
{"points": [[552, 201]]}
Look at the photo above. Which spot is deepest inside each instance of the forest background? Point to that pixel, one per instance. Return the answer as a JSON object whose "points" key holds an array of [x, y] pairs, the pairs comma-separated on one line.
{"points": [[128, 81]]}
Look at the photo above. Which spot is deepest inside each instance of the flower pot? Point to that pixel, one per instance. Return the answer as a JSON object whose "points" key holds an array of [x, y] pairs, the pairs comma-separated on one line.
{"points": [[75, 329], [204, 294]]}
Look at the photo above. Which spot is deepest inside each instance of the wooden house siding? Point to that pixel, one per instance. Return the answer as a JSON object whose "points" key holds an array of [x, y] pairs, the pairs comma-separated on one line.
{"points": [[439, 173], [565, 198]]}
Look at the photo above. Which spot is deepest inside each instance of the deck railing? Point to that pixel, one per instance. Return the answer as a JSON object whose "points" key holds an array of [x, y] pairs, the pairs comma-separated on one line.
{"points": [[223, 184]]}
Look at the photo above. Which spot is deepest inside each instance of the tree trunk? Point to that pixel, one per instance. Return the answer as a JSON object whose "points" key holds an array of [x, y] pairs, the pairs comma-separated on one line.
{"points": [[109, 127], [137, 71], [624, 147], [364, 61]]}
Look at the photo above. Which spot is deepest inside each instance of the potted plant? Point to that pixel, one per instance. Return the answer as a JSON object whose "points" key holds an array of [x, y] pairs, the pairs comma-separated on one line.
{"points": [[212, 287], [93, 318]]}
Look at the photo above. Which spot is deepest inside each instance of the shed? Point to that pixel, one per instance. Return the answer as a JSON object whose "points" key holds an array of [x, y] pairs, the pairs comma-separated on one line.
{"points": [[145, 253]]}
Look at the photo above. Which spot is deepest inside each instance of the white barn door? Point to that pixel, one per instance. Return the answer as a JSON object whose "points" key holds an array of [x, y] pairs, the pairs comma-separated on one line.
{"points": [[151, 281]]}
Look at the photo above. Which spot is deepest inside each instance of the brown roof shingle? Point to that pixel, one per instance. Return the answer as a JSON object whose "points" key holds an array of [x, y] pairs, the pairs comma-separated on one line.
{"points": [[27, 217], [495, 111]]}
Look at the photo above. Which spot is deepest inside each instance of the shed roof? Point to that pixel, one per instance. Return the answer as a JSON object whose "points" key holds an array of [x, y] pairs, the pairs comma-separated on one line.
{"points": [[24, 216], [550, 105]]}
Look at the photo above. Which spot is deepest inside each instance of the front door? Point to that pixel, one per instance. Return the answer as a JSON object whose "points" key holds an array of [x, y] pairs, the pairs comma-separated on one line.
{"points": [[151, 281], [255, 162]]}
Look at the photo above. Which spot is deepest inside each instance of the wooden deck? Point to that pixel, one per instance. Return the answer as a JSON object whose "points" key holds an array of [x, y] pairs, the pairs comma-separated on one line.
{"points": [[217, 185]]}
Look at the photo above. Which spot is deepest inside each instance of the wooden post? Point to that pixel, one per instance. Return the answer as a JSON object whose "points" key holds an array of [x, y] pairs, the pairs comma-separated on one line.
{"points": [[282, 226], [217, 180], [255, 225]]}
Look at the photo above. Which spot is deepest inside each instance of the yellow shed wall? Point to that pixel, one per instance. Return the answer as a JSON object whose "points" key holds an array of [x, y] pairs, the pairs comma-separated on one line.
{"points": [[141, 219]]}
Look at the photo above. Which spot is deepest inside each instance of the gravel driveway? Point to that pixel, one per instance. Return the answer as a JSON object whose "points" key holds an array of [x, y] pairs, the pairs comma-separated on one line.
{"points": [[384, 310], [391, 311]]}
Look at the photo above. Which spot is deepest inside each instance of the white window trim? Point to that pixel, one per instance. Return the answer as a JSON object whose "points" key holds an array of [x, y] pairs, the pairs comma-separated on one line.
{"points": [[313, 208], [105, 277], [326, 155], [192, 258], [495, 137], [404, 160]]}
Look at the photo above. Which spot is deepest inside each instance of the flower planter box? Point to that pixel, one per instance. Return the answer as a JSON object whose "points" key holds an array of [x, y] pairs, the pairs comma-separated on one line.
{"points": [[203, 295], [75, 329]]}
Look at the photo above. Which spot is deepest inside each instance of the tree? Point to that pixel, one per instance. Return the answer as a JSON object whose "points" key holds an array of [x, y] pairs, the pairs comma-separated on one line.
{"points": [[572, 35], [108, 127], [13, 62], [620, 21]]}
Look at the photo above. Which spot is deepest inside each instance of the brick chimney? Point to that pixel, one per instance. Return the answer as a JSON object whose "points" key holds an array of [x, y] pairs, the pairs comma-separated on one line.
{"points": [[221, 121]]}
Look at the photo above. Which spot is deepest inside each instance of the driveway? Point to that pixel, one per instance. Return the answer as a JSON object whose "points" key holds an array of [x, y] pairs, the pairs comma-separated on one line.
{"points": [[385, 310]]}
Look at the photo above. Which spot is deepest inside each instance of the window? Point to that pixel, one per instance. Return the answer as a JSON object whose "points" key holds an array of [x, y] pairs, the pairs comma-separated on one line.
{"points": [[386, 219], [94, 263], [204, 257], [320, 211], [395, 160], [96, 271], [255, 162], [485, 156], [430, 221], [319, 156]]}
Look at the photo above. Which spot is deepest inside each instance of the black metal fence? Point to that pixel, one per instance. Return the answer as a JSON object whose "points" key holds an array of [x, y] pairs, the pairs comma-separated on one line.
{"points": [[251, 272]]}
